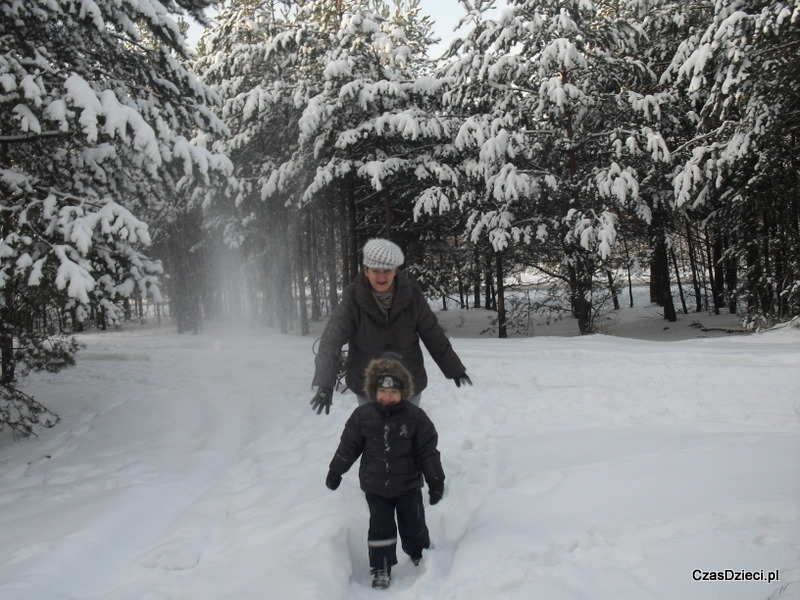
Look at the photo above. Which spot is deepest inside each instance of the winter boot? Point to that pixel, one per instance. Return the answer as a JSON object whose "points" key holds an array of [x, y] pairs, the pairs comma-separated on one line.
{"points": [[416, 560], [381, 578]]}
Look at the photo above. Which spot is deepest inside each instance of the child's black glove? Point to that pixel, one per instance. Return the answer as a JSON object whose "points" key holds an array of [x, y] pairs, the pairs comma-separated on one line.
{"points": [[435, 491], [463, 380], [322, 399], [333, 480]]}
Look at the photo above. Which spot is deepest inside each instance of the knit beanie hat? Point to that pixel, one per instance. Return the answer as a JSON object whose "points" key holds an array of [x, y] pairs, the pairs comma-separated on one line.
{"points": [[387, 373], [389, 381], [382, 254]]}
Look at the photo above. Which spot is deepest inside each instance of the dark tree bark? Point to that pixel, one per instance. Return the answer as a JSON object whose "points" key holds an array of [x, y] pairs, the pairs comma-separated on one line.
{"points": [[612, 289], [489, 285], [678, 281], [300, 278], [501, 298], [660, 288], [712, 275], [628, 268], [183, 263], [7, 320], [352, 231], [316, 280], [698, 296], [660, 280]]}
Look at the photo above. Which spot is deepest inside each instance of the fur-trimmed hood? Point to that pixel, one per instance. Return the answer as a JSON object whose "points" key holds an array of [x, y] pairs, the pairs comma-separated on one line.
{"points": [[387, 366]]}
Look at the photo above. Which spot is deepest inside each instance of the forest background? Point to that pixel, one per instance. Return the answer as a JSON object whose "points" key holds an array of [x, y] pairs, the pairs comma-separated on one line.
{"points": [[581, 141]]}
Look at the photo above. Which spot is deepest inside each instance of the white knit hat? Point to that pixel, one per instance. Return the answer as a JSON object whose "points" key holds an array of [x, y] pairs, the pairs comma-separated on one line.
{"points": [[382, 254]]}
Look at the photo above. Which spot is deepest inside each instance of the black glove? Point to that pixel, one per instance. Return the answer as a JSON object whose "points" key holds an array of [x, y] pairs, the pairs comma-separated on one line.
{"points": [[463, 380], [333, 480], [435, 491], [322, 399]]}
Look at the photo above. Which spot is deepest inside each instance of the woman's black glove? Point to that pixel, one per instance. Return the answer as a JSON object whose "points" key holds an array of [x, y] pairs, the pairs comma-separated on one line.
{"points": [[322, 399], [333, 480], [435, 491], [463, 380]]}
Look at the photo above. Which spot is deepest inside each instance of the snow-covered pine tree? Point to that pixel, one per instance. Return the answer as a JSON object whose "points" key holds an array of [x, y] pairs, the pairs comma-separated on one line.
{"points": [[740, 169], [667, 24], [540, 89], [363, 129], [257, 57], [323, 111], [98, 114], [652, 120]]}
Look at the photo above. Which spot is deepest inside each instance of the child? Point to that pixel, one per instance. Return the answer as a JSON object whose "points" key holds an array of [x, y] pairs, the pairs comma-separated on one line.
{"points": [[397, 444]]}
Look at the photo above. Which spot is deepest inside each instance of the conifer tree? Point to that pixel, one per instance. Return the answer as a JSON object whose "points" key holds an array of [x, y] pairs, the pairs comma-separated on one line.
{"points": [[740, 169], [319, 98], [541, 91], [98, 115]]}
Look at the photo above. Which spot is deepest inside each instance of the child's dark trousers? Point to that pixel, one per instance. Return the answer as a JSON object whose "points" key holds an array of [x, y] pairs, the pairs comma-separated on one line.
{"points": [[382, 536]]}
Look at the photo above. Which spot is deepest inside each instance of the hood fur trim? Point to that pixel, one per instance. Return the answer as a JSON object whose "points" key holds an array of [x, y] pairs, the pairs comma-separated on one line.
{"points": [[381, 366]]}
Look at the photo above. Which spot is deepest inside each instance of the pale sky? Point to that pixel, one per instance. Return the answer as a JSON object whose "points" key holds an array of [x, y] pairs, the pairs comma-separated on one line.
{"points": [[445, 13]]}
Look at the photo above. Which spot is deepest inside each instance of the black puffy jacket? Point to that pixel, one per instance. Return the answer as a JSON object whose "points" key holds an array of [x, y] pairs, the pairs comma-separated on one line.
{"points": [[397, 445], [359, 322]]}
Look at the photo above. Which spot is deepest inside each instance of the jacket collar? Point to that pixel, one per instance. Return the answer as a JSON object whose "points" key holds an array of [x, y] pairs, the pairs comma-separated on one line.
{"points": [[389, 409], [402, 294]]}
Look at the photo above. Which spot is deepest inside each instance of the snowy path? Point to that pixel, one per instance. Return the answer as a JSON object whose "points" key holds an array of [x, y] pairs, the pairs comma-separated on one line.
{"points": [[578, 468]]}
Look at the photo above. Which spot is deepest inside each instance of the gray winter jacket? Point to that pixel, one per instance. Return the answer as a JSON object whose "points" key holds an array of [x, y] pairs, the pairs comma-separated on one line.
{"points": [[359, 322]]}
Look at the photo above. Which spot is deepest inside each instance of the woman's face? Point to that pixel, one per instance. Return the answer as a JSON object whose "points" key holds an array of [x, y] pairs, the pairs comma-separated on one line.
{"points": [[380, 279]]}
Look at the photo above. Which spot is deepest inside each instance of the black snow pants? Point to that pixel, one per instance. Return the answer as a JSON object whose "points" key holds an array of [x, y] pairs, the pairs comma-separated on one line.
{"points": [[382, 536]]}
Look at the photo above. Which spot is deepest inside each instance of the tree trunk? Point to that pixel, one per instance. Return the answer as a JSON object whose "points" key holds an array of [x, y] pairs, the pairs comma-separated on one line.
{"points": [[630, 278], [731, 277], [659, 270], [283, 267], [712, 275], [678, 281], [185, 273], [768, 303], [719, 272], [693, 264], [476, 274], [580, 276], [501, 300], [8, 365], [315, 280], [7, 358], [344, 239], [330, 261], [388, 215], [581, 288], [660, 288], [352, 231], [612, 289], [299, 268], [488, 278]]}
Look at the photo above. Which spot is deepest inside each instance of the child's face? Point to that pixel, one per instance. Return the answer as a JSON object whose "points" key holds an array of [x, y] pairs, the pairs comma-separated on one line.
{"points": [[387, 396]]}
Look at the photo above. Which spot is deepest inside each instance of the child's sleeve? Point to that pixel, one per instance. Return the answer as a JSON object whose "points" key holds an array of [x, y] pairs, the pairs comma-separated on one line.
{"points": [[350, 447], [427, 453]]}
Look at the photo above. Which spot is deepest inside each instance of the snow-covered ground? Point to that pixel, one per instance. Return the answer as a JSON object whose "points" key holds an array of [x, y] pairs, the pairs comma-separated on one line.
{"points": [[586, 468]]}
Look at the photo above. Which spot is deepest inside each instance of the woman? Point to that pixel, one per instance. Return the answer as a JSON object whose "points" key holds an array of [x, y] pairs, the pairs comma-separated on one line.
{"points": [[382, 311]]}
